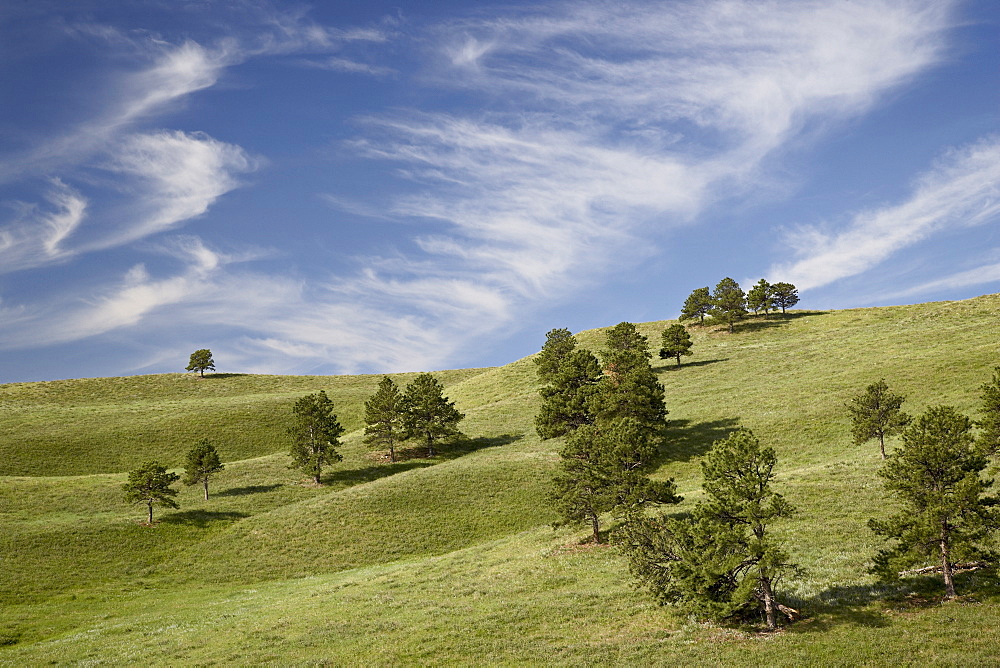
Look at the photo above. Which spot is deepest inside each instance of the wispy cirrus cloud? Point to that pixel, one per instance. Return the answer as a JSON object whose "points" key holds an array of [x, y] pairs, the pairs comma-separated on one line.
{"points": [[963, 190], [628, 120]]}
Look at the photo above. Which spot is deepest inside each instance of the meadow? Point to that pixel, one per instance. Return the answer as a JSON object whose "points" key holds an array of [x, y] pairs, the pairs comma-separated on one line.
{"points": [[453, 560]]}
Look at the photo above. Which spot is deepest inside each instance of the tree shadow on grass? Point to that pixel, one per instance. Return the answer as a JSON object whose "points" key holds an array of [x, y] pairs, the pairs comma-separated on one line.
{"points": [[372, 473], [223, 376], [684, 440], [246, 491], [671, 364], [202, 518], [867, 605]]}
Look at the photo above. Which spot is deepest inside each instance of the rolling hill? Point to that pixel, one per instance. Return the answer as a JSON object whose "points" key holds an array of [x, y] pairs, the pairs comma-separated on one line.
{"points": [[453, 559]]}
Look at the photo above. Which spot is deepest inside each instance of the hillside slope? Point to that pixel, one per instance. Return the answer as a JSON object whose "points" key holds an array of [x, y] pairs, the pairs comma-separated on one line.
{"points": [[452, 559]]}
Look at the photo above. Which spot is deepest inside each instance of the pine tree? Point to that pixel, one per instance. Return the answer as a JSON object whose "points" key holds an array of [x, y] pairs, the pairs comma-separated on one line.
{"points": [[428, 415], [565, 404], [201, 361], [876, 414], [728, 302], [989, 406], [676, 342], [935, 476], [150, 484], [202, 463], [629, 387], [760, 297], [722, 561], [785, 295], [559, 344], [605, 469], [697, 305], [314, 431], [384, 413]]}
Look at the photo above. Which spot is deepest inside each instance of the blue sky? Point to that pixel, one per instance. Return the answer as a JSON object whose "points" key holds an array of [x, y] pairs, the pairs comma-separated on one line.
{"points": [[365, 187]]}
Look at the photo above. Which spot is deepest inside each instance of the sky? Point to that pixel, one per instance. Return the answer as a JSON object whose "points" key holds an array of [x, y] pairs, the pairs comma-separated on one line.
{"points": [[399, 186]]}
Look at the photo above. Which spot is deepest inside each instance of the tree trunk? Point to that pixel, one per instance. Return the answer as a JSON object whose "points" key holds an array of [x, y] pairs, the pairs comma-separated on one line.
{"points": [[206, 487], [881, 444], [392, 453], [595, 524], [949, 579], [150, 504], [768, 595], [316, 476], [678, 360]]}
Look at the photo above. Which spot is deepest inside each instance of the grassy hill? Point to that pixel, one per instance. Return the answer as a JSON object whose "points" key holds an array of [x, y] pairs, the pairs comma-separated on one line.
{"points": [[453, 559]]}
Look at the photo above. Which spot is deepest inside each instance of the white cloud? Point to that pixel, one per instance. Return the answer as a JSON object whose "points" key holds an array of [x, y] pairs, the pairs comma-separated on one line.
{"points": [[627, 118], [963, 190]]}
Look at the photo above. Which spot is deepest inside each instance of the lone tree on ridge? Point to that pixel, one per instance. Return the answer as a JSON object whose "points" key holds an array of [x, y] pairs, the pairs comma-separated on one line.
{"points": [[149, 484], [201, 360]]}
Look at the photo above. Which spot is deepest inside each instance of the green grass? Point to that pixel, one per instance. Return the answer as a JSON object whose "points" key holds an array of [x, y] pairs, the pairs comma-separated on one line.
{"points": [[452, 560]]}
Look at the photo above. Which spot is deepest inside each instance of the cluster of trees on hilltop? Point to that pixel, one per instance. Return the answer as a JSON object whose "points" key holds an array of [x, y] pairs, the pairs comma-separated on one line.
{"points": [[722, 560], [729, 304], [421, 413]]}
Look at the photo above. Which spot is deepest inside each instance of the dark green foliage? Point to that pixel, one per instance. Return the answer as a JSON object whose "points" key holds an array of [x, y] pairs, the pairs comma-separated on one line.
{"points": [[676, 342], [201, 361], [935, 476], [760, 297], [728, 302], [428, 415], [149, 484], [604, 469], [697, 305], [559, 343], [384, 414], [629, 388], [721, 561], [314, 433], [876, 414], [605, 461], [785, 295], [989, 437], [202, 463], [566, 400]]}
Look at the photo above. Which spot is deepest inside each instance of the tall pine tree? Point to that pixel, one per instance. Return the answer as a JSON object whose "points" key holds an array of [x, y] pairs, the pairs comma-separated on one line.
{"points": [[428, 415], [384, 417], [315, 432]]}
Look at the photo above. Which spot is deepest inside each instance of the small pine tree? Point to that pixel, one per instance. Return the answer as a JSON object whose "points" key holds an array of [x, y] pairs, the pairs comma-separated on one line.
{"points": [[760, 297], [989, 406], [876, 414], [150, 484], [676, 342], [314, 431], [428, 415], [785, 295], [721, 561], [202, 463], [729, 302], [384, 417], [201, 361], [697, 305], [935, 475]]}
